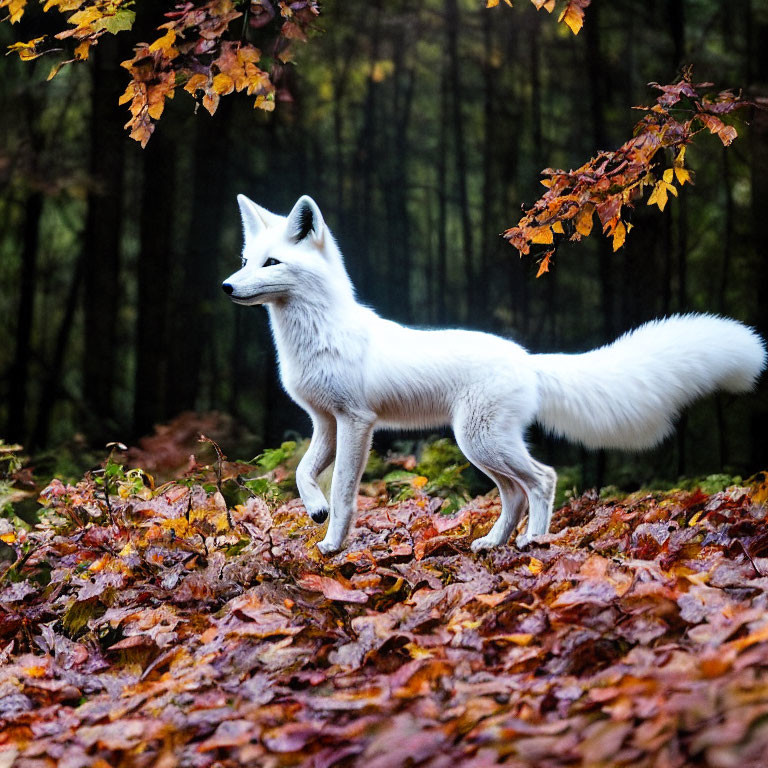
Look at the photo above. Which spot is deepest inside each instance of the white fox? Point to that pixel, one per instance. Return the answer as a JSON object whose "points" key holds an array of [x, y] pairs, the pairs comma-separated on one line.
{"points": [[353, 372]]}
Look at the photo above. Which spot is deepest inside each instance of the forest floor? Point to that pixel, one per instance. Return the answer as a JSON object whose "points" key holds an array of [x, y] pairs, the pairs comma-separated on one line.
{"points": [[182, 626]]}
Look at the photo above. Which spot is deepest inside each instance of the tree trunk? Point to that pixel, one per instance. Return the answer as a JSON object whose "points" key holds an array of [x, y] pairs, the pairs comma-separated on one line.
{"points": [[51, 384], [19, 373], [101, 299], [441, 267], [759, 155], [488, 238], [596, 76], [154, 262], [457, 120], [396, 190], [198, 274]]}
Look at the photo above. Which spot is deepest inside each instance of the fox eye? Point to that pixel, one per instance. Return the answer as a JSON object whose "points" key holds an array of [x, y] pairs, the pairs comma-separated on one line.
{"points": [[270, 262]]}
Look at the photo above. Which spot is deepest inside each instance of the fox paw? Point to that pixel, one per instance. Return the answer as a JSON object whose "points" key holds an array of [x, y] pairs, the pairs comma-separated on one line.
{"points": [[485, 542], [523, 540], [319, 515], [328, 547]]}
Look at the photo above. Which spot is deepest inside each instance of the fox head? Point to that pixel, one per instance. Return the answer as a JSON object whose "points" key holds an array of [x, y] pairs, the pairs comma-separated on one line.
{"points": [[284, 257]]}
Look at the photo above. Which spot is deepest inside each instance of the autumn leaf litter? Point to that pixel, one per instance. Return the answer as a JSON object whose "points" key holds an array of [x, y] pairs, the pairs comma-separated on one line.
{"points": [[171, 630]]}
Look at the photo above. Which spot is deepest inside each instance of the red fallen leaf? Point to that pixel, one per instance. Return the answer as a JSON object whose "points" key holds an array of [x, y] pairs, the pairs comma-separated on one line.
{"points": [[230, 733], [445, 523], [122, 734], [331, 589], [330, 756], [291, 737], [417, 677], [136, 641]]}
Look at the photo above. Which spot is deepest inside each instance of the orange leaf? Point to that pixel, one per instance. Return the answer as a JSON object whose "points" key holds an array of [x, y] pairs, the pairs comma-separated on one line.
{"points": [[542, 235], [584, 219], [81, 51], [223, 84], [331, 589], [619, 235], [211, 102], [544, 263]]}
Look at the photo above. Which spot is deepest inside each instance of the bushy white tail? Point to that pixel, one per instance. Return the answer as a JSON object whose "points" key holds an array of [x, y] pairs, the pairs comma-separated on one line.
{"points": [[627, 394]]}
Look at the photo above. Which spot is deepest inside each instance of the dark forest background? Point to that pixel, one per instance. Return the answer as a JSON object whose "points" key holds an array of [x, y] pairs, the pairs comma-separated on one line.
{"points": [[420, 128]]}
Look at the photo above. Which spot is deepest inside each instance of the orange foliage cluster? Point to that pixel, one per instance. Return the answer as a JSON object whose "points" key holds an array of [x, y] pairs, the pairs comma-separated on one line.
{"points": [[572, 13], [612, 182], [203, 48], [165, 629]]}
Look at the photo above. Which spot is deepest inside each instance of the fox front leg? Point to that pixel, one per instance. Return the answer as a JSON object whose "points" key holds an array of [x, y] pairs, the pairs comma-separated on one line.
{"points": [[353, 441], [317, 458]]}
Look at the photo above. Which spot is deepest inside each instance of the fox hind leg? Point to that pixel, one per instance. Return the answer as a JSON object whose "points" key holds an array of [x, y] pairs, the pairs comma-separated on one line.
{"points": [[542, 503], [499, 450], [513, 503]]}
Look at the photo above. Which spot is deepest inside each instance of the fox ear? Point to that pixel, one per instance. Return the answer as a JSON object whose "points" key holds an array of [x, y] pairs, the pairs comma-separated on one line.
{"points": [[305, 220], [255, 218]]}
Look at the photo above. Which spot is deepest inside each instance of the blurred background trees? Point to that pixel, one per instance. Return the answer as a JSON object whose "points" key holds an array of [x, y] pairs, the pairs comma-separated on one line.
{"points": [[420, 128]]}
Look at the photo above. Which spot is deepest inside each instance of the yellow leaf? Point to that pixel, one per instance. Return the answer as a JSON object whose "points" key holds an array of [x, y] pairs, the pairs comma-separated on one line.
{"points": [[492, 3], [558, 228], [127, 94], [542, 235], [28, 50], [668, 175], [759, 485], [178, 525], [573, 16], [63, 5], [165, 44], [659, 195], [35, 670], [518, 638], [619, 235], [535, 566], [682, 175], [8, 538], [416, 651], [16, 9], [156, 110], [584, 219], [81, 51], [419, 482], [195, 83], [85, 17], [223, 84]]}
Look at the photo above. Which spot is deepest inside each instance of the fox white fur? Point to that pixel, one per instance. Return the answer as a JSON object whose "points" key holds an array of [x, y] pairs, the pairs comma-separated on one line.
{"points": [[354, 371]]}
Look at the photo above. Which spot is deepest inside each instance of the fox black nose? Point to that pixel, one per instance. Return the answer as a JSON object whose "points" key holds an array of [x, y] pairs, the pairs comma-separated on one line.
{"points": [[227, 288]]}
